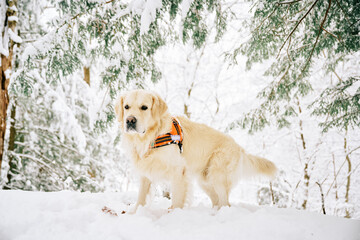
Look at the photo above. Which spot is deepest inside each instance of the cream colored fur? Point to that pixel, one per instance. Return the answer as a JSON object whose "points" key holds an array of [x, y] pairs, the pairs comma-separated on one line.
{"points": [[213, 158]]}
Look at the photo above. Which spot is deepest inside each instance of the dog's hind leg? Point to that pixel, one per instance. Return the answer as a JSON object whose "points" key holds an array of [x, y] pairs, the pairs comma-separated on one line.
{"points": [[223, 193], [222, 189], [209, 190], [219, 176]]}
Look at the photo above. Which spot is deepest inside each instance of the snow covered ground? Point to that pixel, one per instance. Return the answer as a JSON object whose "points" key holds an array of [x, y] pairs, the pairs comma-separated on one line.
{"points": [[72, 215]]}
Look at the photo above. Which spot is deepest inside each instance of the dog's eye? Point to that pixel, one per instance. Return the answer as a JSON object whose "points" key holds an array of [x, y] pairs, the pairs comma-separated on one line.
{"points": [[126, 107], [143, 107]]}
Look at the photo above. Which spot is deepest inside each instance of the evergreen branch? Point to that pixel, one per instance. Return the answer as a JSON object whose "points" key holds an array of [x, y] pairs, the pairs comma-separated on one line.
{"points": [[272, 93], [317, 38], [334, 101], [337, 76], [23, 155], [296, 26], [106, 93], [299, 48], [262, 22], [284, 75], [66, 22], [47, 136], [354, 23], [341, 119], [287, 50], [345, 14], [330, 33], [82, 13]]}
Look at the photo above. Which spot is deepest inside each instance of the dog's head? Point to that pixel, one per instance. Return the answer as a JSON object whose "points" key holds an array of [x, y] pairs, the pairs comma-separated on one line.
{"points": [[139, 110]]}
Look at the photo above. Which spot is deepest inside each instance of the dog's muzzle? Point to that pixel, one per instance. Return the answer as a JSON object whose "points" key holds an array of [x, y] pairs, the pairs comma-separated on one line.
{"points": [[131, 123]]}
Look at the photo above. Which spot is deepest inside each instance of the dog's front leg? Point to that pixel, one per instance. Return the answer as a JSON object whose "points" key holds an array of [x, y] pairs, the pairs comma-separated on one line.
{"points": [[179, 189], [145, 184]]}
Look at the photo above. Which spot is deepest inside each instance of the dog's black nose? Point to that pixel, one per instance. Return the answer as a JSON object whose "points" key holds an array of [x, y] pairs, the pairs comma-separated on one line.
{"points": [[131, 123], [130, 120]]}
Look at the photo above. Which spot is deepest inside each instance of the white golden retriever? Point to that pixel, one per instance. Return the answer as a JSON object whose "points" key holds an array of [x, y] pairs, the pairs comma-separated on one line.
{"points": [[214, 158]]}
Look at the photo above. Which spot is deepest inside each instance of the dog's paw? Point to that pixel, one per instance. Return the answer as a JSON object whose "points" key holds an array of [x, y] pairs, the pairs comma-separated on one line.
{"points": [[133, 209]]}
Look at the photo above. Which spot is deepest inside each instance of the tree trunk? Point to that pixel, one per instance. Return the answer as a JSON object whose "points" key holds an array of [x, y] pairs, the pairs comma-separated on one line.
{"points": [[87, 75], [11, 145], [186, 106], [306, 181], [6, 67], [306, 166], [348, 176], [322, 198], [335, 180], [186, 110]]}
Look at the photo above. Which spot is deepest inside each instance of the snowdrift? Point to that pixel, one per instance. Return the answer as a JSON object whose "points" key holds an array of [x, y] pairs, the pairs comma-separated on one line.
{"points": [[71, 215]]}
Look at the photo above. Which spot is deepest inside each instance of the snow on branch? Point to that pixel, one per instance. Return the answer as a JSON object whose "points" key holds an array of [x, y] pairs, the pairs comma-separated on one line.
{"points": [[13, 36], [13, 19], [13, 8], [185, 6], [147, 10]]}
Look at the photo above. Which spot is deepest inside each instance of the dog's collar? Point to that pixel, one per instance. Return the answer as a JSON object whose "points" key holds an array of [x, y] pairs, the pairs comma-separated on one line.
{"points": [[175, 136]]}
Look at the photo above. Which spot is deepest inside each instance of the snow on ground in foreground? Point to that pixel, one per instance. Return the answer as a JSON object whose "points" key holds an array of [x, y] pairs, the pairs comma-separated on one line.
{"points": [[71, 215]]}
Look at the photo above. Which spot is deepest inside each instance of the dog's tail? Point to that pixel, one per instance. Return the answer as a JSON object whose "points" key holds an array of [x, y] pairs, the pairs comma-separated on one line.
{"points": [[254, 165]]}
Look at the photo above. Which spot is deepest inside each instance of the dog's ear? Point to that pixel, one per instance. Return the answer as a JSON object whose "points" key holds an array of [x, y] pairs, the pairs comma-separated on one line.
{"points": [[119, 109], [159, 106]]}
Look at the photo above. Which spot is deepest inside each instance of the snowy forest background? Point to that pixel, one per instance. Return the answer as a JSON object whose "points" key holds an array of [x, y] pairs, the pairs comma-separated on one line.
{"points": [[281, 77]]}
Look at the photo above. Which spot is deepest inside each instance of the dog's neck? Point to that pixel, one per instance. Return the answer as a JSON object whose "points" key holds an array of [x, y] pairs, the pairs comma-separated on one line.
{"points": [[144, 140]]}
